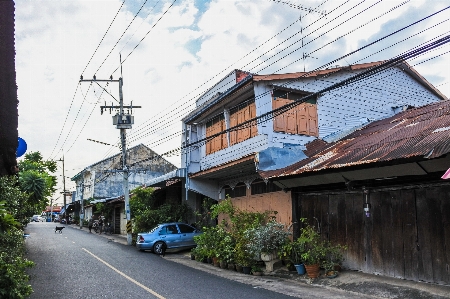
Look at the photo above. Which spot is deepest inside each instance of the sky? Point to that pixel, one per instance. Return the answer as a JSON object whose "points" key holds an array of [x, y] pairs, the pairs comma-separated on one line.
{"points": [[173, 51]]}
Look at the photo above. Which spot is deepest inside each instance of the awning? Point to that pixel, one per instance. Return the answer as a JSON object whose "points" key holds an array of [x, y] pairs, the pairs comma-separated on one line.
{"points": [[69, 207], [163, 180]]}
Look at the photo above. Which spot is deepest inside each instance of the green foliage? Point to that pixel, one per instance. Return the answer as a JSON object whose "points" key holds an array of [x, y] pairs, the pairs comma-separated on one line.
{"points": [[206, 242], [315, 250], [146, 213], [104, 210], [15, 202], [237, 223], [7, 221], [13, 277], [36, 181], [204, 217], [266, 238], [292, 251], [33, 183]]}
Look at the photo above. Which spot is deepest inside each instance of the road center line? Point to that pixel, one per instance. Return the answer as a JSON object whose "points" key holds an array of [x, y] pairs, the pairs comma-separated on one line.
{"points": [[126, 276]]}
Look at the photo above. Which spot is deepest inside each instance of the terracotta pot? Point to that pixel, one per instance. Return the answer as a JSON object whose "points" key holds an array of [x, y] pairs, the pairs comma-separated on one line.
{"points": [[312, 270], [216, 262], [257, 273]]}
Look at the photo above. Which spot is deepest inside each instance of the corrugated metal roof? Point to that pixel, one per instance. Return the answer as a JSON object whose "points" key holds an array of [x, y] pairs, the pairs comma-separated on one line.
{"points": [[420, 132]]}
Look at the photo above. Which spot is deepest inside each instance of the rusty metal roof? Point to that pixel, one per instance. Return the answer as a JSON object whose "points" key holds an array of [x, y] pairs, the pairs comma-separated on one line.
{"points": [[422, 132]]}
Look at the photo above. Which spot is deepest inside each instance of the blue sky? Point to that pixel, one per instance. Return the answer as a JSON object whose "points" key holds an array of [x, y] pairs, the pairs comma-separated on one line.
{"points": [[174, 53]]}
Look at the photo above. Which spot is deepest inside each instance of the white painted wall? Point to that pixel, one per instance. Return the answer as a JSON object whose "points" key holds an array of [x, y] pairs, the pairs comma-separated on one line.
{"points": [[340, 111]]}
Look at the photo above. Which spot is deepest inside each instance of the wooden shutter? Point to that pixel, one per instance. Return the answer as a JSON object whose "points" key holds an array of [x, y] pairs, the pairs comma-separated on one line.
{"points": [[254, 127], [313, 124], [291, 121], [233, 134], [302, 119], [279, 121], [209, 142], [217, 141]]}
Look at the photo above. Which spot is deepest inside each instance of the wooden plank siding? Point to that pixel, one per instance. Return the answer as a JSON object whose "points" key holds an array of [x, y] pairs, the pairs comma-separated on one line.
{"points": [[407, 235]]}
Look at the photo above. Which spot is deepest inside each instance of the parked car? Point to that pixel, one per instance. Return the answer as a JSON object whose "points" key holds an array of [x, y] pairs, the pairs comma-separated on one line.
{"points": [[174, 235], [37, 218]]}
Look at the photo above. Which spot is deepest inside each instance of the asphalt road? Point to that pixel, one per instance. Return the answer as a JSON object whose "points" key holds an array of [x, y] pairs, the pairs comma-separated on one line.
{"points": [[76, 264]]}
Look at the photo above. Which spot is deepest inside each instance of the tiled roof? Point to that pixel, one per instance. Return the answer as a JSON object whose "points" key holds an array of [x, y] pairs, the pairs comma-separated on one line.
{"points": [[422, 132]]}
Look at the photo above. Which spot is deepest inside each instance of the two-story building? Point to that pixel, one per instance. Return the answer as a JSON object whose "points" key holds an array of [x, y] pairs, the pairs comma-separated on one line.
{"points": [[103, 181], [249, 131]]}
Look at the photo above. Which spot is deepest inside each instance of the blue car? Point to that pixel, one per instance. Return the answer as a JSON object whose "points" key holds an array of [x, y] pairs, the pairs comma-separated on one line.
{"points": [[175, 235]]}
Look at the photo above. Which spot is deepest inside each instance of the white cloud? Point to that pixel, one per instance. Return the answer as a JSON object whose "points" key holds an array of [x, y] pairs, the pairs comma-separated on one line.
{"points": [[186, 48]]}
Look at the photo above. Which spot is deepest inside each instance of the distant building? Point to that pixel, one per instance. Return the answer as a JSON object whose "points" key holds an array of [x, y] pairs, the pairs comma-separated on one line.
{"points": [[102, 182]]}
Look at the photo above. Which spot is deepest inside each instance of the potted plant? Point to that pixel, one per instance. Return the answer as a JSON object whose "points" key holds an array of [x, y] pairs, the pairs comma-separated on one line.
{"points": [[266, 239], [292, 252], [333, 259], [256, 270], [314, 251]]}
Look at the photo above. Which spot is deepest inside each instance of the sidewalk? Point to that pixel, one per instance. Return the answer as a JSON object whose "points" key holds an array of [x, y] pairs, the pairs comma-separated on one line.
{"points": [[352, 282]]}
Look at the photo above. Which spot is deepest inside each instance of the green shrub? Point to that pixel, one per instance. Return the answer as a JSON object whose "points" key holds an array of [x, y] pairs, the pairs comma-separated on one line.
{"points": [[13, 278]]}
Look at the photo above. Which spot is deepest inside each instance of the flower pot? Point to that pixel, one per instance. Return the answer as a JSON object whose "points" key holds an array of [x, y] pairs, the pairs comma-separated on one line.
{"points": [[246, 270], [238, 268], [216, 262], [257, 273], [300, 269], [192, 256], [312, 270], [331, 274], [267, 257], [231, 267], [223, 265], [209, 260]]}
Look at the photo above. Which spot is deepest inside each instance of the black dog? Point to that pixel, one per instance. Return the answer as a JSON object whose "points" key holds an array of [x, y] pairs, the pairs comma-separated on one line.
{"points": [[59, 228]]}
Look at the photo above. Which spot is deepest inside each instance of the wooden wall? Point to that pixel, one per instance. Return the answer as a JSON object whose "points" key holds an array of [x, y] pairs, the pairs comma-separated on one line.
{"points": [[275, 201], [406, 236]]}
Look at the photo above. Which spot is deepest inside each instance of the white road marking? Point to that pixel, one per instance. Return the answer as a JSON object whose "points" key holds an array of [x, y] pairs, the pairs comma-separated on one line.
{"points": [[126, 276]]}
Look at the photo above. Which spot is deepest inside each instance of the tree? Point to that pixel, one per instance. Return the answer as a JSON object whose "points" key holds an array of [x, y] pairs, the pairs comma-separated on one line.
{"points": [[147, 212], [36, 181]]}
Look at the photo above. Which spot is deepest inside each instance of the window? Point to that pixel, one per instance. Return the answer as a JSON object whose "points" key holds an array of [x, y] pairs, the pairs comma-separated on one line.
{"points": [[214, 126], [260, 187], [239, 115], [238, 191], [184, 228], [169, 229], [300, 119]]}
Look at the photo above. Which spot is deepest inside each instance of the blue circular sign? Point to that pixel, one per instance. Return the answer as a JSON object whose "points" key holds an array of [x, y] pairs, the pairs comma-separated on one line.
{"points": [[21, 148]]}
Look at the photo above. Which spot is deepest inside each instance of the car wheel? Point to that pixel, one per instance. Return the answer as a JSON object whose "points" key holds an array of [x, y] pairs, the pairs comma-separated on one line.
{"points": [[158, 247]]}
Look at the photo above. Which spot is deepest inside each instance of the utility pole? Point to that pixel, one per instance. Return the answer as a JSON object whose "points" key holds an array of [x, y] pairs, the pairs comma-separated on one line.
{"points": [[122, 121], [64, 189], [82, 203]]}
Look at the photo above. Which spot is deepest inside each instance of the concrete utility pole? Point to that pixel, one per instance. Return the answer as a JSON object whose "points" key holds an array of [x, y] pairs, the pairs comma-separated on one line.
{"points": [[64, 189], [122, 121], [82, 203]]}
